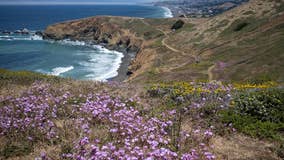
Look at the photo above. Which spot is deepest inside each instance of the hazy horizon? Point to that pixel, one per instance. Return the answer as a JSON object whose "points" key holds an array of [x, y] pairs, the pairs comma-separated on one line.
{"points": [[70, 2]]}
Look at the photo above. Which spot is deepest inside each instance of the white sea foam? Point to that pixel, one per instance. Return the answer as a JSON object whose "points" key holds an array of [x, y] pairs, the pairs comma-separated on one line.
{"points": [[168, 13], [5, 38], [36, 38], [72, 43], [103, 64], [59, 70], [112, 70], [102, 67], [15, 37]]}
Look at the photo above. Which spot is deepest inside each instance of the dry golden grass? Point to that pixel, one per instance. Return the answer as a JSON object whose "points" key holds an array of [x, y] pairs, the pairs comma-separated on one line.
{"points": [[238, 146]]}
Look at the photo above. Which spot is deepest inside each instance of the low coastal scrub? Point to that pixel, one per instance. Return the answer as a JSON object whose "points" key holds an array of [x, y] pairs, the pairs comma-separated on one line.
{"points": [[255, 109], [24, 77], [185, 89], [258, 113], [179, 24], [91, 124], [243, 25]]}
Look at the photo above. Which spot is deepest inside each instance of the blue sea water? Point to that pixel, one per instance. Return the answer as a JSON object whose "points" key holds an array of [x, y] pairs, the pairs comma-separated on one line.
{"points": [[65, 58]]}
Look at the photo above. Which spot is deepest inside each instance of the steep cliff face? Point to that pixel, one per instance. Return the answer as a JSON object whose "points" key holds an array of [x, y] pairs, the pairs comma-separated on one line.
{"points": [[111, 32], [135, 37], [98, 30], [218, 48], [132, 36]]}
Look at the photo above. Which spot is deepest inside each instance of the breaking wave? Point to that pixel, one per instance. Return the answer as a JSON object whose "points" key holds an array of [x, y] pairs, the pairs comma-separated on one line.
{"points": [[103, 64], [59, 70], [168, 13], [17, 37]]}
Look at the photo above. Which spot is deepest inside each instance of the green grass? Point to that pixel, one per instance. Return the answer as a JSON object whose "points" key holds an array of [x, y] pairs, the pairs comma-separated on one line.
{"points": [[260, 52], [197, 39], [248, 13], [157, 43], [280, 8], [240, 26], [153, 34], [178, 25], [221, 24], [258, 113], [14, 150], [188, 27], [141, 29], [253, 127], [25, 77], [161, 22], [202, 65]]}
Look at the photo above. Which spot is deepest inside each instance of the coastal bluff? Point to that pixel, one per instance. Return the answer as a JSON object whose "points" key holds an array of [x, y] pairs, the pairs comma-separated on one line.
{"points": [[124, 34], [97, 30], [215, 48]]}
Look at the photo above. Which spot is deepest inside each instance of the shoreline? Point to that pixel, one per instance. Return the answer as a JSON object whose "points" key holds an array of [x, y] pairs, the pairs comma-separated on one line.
{"points": [[129, 56], [123, 63], [123, 67], [120, 68], [168, 12]]}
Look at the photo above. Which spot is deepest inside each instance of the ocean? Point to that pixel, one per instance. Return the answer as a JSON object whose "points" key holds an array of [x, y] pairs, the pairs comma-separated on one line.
{"points": [[62, 58]]}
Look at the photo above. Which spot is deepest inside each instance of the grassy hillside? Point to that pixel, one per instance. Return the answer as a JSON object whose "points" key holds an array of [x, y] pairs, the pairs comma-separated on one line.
{"points": [[249, 37], [55, 118], [24, 77], [170, 107], [217, 48]]}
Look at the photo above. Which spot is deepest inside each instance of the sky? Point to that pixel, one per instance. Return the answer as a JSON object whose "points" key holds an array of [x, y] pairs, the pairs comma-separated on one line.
{"points": [[3, 2]]}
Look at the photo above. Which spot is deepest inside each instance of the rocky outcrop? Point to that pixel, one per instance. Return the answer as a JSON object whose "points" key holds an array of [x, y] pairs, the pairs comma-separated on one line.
{"points": [[179, 24], [97, 30], [110, 32], [188, 53], [23, 31]]}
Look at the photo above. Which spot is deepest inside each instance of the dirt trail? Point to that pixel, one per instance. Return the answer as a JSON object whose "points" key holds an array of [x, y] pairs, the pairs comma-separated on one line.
{"points": [[167, 69], [168, 46], [164, 40], [210, 73], [210, 69], [177, 51]]}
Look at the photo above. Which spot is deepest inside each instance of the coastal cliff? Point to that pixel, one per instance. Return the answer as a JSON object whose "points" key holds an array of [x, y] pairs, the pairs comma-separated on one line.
{"points": [[102, 31], [234, 111], [98, 30], [216, 48]]}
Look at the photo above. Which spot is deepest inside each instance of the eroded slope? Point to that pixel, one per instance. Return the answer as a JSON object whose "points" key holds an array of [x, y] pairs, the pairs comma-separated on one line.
{"points": [[242, 44]]}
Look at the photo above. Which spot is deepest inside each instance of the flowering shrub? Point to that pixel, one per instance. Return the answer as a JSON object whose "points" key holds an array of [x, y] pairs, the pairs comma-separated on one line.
{"points": [[31, 115], [215, 95], [24, 77], [130, 135], [264, 85], [97, 126], [90, 125], [184, 89], [265, 105], [197, 99], [254, 109], [258, 113]]}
